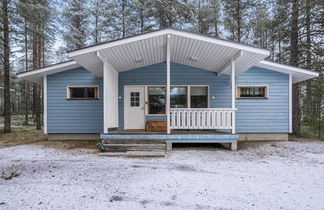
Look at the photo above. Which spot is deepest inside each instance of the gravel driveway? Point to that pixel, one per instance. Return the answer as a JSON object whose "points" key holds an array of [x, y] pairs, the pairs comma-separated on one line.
{"points": [[274, 175]]}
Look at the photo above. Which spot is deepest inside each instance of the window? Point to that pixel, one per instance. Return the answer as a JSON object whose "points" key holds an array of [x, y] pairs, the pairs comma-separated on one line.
{"points": [[135, 99], [156, 100], [252, 92], [83, 92], [199, 97], [178, 97]]}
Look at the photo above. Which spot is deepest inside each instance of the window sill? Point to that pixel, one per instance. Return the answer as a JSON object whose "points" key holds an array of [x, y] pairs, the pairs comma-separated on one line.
{"points": [[82, 99], [253, 98], [156, 115]]}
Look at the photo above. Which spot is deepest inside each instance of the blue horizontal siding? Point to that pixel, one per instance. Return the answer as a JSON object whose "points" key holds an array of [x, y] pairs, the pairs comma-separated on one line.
{"points": [[269, 115], [73, 116], [219, 87], [253, 115]]}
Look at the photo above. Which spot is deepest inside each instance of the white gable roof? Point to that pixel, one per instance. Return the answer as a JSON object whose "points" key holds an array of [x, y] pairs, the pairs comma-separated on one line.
{"points": [[187, 48]]}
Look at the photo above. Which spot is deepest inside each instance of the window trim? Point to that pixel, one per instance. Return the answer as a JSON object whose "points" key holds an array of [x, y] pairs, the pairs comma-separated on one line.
{"points": [[147, 99], [238, 87], [68, 92], [147, 111]]}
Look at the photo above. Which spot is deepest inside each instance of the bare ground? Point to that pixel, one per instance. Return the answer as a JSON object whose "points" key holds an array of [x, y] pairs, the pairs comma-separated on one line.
{"points": [[70, 175]]}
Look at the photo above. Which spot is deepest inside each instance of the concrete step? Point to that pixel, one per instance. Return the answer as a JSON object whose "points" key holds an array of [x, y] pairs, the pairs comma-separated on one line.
{"points": [[134, 147], [133, 141], [134, 154]]}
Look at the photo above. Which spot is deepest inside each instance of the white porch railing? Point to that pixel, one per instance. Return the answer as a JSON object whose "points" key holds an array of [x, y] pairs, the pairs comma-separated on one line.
{"points": [[201, 118]]}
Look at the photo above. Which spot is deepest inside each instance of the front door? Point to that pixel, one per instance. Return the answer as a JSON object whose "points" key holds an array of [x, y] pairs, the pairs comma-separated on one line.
{"points": [[134, 107]]}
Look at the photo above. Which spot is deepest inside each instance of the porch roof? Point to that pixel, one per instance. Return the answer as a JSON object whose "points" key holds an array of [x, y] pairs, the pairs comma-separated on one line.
{"points": [[187, 48]]}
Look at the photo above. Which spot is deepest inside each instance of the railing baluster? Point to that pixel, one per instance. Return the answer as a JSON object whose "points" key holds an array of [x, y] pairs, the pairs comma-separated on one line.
{"points": [[197, 118]]}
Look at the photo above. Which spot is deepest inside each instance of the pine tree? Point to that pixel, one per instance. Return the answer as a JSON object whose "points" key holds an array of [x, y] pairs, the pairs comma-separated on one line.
{"points": [[75, 17], [170, 13], [6, 66], [237, 21], [294, 62]]}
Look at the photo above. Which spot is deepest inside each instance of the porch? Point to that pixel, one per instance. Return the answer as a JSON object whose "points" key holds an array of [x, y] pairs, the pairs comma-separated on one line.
{"points": [[148, 141]]}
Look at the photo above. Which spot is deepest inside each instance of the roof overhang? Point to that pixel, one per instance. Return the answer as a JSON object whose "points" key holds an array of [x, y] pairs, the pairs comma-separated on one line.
{"points": [[187, 48], [298, 74], [38, 74]]}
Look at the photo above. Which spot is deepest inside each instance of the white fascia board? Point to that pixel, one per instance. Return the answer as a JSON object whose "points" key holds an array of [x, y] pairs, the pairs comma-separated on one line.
{"points": [[277, 66], [50, 69], [116, 43], [172, 32], [221, 42]]}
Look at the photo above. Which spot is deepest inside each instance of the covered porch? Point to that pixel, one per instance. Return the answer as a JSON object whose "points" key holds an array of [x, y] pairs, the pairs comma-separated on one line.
{"points": [[218, 57]]}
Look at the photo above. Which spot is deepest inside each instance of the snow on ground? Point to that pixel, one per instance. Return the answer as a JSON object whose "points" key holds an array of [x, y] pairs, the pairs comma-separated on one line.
{"points": [[281, 175]]}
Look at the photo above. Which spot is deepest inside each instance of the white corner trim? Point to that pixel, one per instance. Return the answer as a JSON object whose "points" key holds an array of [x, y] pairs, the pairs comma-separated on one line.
{"points": [[290, 103], [45, 103]]}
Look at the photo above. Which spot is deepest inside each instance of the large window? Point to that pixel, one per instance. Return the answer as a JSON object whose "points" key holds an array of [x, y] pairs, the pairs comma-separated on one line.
{"points": [[83, 92], [199, 97], [252, 92], [178, 97], [156, 100]]}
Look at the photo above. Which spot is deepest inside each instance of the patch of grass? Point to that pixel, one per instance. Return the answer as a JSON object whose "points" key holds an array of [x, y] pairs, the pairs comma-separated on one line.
{"points": [[10, 176], [21, 136]]}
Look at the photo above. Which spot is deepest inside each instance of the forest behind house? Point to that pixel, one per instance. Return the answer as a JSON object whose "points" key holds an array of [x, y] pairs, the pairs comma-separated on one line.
{"points": [[37, 33]]}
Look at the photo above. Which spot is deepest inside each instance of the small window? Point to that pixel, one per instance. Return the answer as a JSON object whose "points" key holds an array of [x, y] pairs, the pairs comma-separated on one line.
{"points": [[156, 100], [83, 92], [199, 97], [252, 92], [135, 99]]}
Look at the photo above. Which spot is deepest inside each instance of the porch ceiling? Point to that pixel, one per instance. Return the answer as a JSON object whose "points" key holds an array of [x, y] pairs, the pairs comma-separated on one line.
{"points": [[186, 48]]}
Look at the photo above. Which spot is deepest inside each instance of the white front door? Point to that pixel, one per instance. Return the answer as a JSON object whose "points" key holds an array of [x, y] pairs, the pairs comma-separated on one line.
{"points": [[134, 107]]}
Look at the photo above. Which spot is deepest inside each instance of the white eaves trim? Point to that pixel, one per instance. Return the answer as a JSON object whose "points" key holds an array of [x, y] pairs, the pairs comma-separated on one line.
{"points": [[298, 74], [50, 69], [172, 32]]}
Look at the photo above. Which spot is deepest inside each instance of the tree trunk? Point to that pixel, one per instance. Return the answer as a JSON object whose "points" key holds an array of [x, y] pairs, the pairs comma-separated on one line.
{"points": [[238, 12], [26, 96], [294, 62], [308, 100], [123, 18], [6, 68]]}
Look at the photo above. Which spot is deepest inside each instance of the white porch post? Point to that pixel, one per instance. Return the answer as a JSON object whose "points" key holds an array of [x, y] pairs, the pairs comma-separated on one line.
{"points": [[167, 108], [45, 103], [105, 97], [233, 93]]}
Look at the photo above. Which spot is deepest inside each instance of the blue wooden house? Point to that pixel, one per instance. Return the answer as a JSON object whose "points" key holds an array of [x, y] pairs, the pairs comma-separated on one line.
{"points": [[188, 87]]}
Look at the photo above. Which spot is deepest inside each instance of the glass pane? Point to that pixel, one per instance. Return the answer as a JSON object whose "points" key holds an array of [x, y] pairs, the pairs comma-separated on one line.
{"points": [[76, 92], [199, 97], [178, 97], [252, 92], [135, 99], [156, 97]]}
